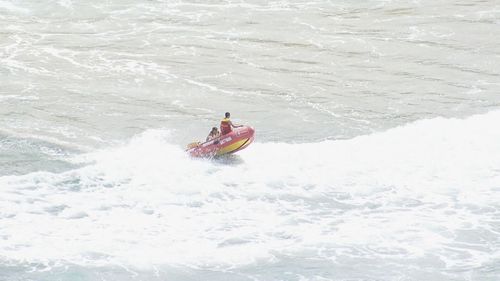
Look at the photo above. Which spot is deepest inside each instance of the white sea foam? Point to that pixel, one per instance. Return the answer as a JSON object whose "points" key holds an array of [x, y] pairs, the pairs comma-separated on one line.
{"points": [[427, 188]]}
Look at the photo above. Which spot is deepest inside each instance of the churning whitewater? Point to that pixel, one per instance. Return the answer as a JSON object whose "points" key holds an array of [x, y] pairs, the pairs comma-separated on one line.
{"points": [[376, 153], [421, 197]]}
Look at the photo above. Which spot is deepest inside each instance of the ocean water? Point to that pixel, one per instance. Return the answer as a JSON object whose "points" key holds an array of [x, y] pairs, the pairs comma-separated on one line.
{"points": [[377, 151]]}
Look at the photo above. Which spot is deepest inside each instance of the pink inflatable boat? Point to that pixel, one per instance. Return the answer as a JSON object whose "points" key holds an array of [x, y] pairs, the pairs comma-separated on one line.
{"points": [[235, 141]]}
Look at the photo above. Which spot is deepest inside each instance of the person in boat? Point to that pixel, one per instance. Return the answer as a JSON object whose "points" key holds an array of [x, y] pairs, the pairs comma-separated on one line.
{"points": [[213, 134], [226, 126]]}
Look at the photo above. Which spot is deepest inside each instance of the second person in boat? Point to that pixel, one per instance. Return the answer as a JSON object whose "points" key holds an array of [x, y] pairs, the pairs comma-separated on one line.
{"points": [[213, 134]]}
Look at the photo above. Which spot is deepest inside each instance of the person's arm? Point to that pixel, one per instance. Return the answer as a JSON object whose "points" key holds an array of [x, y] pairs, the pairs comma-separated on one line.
{"points": [[234, 126]]}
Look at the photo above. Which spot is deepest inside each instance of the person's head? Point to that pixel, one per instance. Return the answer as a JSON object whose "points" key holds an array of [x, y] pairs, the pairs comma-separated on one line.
{"points": [[214, 130], [228, 115]]}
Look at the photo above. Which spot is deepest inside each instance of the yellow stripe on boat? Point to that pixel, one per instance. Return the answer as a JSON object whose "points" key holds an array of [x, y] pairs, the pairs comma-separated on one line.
{"points": [[232, 147]]}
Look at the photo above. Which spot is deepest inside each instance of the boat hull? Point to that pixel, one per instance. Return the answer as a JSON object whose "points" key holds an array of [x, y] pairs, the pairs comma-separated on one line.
{"points": [[235, 141]]}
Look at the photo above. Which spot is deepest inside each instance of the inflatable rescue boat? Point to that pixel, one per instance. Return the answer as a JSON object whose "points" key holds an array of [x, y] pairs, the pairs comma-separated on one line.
{"points": [[236, 140]]}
